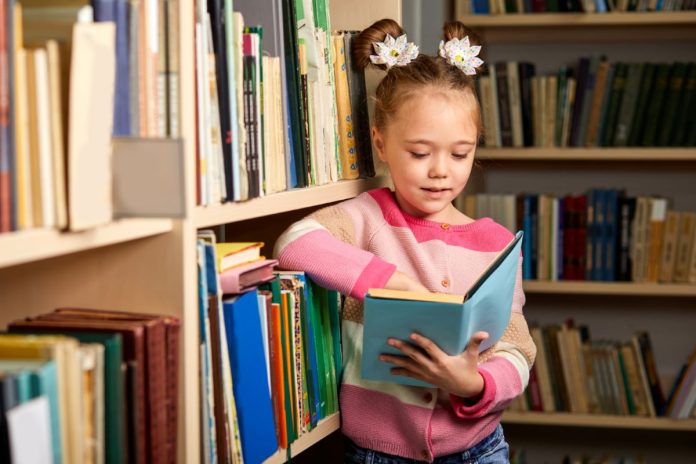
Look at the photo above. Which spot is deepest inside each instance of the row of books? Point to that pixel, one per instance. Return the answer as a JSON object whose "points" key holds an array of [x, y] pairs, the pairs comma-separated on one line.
{"points": [[77, 73], [89, 386], [572, 6], [594, 104], [279, 102], [270, 353], [600, 235], [574, 373]]}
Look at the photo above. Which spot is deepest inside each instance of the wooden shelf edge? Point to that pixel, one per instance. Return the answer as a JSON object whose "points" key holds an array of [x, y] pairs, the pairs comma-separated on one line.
{"points": [[631, 154], [213, 215], [609, 288], [324, 428], [671, 18], [37, 244], [598, 421]]}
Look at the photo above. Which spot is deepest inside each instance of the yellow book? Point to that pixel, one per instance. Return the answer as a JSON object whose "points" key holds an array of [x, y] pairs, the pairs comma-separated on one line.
{"points": [[64, 352], [346, 137], [233, 254]]}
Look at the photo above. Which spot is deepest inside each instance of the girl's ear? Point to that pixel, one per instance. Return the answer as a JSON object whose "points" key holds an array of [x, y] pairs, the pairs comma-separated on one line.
{"points": [[378, 141]]}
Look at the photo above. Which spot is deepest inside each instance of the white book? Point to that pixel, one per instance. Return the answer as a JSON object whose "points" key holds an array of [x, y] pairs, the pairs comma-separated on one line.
{"points": [[238, 30], [43, 118], [216, 169], [201, 58]]}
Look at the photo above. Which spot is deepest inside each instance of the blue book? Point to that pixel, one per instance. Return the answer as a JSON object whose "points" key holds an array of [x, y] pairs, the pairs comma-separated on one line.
{"points": [[448, 320], [250, 384]]}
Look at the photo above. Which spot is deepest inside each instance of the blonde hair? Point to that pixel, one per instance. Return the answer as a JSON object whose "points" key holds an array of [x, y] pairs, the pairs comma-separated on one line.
{"points": [[403, 82]]}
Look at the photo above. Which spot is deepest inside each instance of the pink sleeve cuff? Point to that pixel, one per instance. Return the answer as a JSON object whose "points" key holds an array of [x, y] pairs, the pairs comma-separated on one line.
{"points": [[375, 275], [482, 406]]}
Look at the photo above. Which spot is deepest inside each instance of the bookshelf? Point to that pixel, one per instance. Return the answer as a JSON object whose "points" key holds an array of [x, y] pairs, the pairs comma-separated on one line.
{"points": [[599, 421], [609, 288], [324, 428], [37, 244], [612, 310], [644, 155], [207, 216]]}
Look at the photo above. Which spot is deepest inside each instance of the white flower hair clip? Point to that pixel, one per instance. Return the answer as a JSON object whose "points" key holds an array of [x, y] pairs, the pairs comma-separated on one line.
{"points": [[460, 53], [394, 52]]}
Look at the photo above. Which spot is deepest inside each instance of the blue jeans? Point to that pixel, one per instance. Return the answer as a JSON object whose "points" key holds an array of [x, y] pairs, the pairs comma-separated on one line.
{"points": [[491, 450]]}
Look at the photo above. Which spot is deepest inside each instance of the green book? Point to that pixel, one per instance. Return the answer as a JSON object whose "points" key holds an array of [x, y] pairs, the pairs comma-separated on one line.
{"points": [[657, 96], [673, 101], [642, 104], [617, 90], [628, 105], [685, 117]]}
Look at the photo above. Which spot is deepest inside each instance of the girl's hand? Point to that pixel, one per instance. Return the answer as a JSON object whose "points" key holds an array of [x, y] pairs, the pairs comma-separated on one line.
{"points": [[425, 361], [401, 281]]}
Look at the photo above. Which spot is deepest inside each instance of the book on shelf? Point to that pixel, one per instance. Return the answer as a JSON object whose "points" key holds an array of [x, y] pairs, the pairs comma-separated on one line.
{"points": [[602, 235], [448, 320]]}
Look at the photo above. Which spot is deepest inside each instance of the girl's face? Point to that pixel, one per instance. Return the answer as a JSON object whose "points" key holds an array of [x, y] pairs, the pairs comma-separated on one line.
{"points": [[429, 147]]}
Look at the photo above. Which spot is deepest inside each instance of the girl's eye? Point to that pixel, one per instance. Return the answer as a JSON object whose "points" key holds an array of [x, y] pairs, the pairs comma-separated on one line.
{"points": [[418, 155], [460, 156]]}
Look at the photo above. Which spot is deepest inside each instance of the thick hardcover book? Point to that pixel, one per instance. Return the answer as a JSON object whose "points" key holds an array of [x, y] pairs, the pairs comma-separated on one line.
{"points": [[674, 99], [448, 320], [683, 120]]}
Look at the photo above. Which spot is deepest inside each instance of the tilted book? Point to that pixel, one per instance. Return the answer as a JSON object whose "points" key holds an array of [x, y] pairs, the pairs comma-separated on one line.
{"points": [[448, 320]]}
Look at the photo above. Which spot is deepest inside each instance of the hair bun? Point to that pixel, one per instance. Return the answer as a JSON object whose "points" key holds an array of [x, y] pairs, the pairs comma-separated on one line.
{"points": [[457, 30], [377, 32]]}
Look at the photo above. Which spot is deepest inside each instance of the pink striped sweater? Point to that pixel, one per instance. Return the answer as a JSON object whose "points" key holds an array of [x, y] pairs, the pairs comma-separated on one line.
{"points": [[357, 245]]}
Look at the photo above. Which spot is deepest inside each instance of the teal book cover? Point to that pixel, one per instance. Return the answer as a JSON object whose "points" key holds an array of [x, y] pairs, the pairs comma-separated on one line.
{"points": [[448, 320]]}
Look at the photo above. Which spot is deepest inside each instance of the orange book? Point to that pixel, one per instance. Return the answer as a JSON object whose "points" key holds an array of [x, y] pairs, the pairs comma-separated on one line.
{"points": [[276, 361]]}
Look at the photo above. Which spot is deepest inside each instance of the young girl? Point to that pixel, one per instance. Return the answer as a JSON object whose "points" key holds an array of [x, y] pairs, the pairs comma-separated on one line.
{"points": [[426, 126]]}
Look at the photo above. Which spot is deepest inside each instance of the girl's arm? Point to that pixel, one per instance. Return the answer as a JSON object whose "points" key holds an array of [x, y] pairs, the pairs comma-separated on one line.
{"points": [[331, 246]]}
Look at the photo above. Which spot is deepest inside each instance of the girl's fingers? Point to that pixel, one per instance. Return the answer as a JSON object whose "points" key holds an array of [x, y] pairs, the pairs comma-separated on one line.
{"points": [[409, 350], [428, 346], [404, 363], [406, 373], [472, 349]]}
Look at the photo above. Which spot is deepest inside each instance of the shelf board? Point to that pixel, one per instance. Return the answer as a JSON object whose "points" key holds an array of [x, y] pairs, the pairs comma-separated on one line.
{"points": [[599, 421], [671, 18], [609, 288], [655, 155], [212, 215], [36, 244], [324, 428]]}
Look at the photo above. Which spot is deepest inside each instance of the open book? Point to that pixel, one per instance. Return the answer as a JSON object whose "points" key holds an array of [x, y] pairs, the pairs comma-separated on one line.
{"points": [[448, 320]]}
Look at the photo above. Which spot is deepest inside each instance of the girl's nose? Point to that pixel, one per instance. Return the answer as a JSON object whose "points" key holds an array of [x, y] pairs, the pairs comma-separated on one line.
{"points": [[438, 167]]}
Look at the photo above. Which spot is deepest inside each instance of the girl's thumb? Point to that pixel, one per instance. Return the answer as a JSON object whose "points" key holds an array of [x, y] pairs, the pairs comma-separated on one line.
{"points": [[475, 342]]}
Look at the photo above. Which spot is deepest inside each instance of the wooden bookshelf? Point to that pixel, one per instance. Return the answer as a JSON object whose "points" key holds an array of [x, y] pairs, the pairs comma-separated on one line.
{"points": [[324, 428], [212, 215], [37, 244], [671, 18], [609, 288], [573, 27], [599, 421], [645, 155]]}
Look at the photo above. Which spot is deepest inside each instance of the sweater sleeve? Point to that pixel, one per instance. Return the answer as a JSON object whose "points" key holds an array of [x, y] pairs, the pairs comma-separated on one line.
{"points": [[505, 366], [326, 246]]}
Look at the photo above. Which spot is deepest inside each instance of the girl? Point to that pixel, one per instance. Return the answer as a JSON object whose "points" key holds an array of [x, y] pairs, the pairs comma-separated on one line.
{"points": [[426, 126]]}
